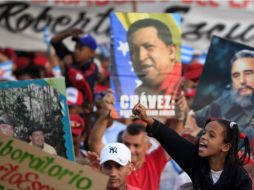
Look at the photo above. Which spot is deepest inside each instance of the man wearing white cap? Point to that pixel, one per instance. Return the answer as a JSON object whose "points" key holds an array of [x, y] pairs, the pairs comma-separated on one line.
{"points": [[115, 161]]}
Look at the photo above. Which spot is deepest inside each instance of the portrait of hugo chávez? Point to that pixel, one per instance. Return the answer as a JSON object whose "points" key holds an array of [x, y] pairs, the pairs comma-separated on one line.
{"points": [[154, 57]]}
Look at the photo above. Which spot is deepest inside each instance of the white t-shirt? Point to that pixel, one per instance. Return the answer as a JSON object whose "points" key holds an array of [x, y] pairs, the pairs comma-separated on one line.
{"points": [[215, 175], [173, 177], [112, 132]]}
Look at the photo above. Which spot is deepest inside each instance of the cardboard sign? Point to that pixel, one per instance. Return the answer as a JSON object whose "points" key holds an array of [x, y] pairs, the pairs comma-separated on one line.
{"points": [[153, 79], [30, 104], [26, 167]]}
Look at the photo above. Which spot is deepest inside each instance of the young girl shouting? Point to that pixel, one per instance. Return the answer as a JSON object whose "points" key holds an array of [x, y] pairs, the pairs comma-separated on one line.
{"points": [[215, 163]]}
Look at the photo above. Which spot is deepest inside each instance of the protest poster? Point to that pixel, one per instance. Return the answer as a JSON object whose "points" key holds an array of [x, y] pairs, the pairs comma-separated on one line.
{"points": [[226, 86], [26, 167], [153, 79], [41, 103]]}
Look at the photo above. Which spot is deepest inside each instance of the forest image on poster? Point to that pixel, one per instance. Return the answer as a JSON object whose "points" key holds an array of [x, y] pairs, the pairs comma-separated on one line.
{"points": [[34, 102]]}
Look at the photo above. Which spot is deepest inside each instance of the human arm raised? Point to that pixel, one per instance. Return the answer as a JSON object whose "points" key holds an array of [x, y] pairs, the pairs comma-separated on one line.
{"points": [[68, 33], [60, 48], [181, 109], [100, 126], [182, 151]]}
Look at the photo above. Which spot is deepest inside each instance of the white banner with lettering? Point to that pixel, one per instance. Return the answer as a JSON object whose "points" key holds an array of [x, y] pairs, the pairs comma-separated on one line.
{"points": [[22, 24], [232, 19]]}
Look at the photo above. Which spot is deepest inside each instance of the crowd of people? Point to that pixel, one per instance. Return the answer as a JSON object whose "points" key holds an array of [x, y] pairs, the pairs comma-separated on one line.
{"points": [[185, 152]]}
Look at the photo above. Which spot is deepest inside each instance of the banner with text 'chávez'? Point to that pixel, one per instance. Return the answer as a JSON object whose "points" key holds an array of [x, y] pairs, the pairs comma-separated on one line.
{"points": [[145, 64]]}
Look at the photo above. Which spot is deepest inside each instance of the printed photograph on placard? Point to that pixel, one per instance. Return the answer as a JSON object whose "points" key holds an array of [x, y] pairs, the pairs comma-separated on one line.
{"points": [[226, 86], [35, 111], [145, 62]]}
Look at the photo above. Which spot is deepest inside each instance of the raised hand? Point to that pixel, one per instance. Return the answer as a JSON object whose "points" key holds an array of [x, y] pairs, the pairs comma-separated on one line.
{"points": [[94, 160], [181, 107], [191, 129], [140, 111], [75, 32], [107, 103]]}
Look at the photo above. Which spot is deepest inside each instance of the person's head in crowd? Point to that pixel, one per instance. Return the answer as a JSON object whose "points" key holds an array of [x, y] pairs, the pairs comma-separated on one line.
{"points": [[242, 75], [4, 58], [31, 71], [103, 76], [6, 125], [85, 48], [21, 62], [136, 139], [220, 139], [36, 135], [10, 53], [41, 60], [75, 101], [77, 128], [103, 82], [192, 73], [115, 161], [152, 51]]}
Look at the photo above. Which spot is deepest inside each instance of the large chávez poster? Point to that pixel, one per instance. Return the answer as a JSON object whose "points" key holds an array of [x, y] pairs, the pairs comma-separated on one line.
{"points": [[145, 62], [38, 106], [226, 86]]}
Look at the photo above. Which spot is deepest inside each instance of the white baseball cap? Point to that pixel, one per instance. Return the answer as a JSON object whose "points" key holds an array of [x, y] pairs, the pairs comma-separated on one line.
{"points": [[117, 152]]}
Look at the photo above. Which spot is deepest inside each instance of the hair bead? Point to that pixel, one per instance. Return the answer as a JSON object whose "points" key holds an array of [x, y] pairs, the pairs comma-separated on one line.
{"points": [[232, 124], [242, 135]]}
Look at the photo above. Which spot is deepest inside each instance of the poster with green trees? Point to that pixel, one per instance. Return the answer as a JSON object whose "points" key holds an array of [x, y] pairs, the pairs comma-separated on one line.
{"points": [[38, 107]]}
